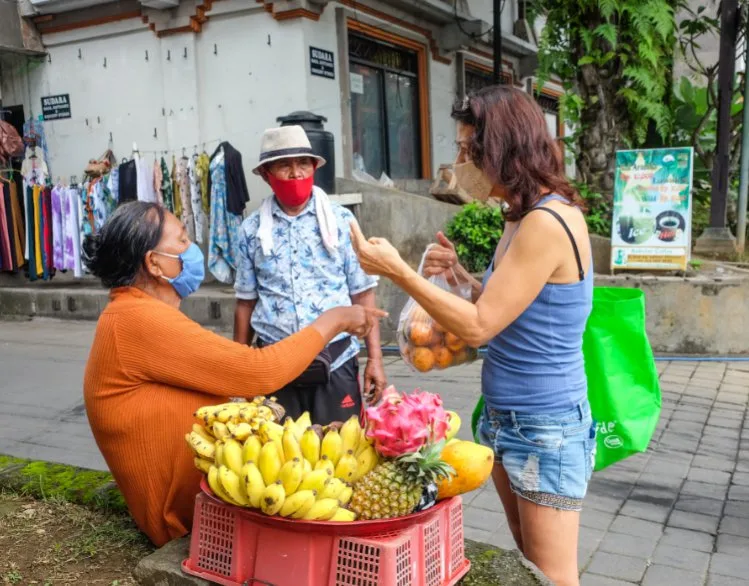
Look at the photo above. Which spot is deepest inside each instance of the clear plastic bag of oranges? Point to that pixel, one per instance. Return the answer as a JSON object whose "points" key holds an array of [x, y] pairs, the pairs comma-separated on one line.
{"points": [[426, 345]]}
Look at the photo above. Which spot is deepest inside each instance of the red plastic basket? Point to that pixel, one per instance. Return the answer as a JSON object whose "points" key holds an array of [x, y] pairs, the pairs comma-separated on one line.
{"points": [[237, 547]]}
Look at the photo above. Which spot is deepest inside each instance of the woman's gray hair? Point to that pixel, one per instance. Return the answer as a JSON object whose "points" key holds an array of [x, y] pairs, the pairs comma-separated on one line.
{"points": [[115, 254]]}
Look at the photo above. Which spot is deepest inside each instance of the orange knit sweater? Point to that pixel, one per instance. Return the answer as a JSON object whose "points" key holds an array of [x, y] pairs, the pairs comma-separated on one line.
{"points": [[149, 369]]}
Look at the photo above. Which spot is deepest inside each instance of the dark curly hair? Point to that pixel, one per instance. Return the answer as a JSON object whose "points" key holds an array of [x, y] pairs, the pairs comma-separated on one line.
{"points": [[115, 254], [512, 145]]}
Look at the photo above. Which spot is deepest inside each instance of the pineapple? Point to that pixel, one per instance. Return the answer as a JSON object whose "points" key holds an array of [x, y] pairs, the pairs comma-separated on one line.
{"points": [[394, 487]]}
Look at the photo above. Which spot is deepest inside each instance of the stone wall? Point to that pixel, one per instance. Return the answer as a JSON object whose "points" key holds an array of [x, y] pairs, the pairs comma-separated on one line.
{"points": [[697, 315]]}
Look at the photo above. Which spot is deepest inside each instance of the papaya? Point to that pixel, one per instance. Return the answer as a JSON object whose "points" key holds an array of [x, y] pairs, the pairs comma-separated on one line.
{"points": [[473, 465]]}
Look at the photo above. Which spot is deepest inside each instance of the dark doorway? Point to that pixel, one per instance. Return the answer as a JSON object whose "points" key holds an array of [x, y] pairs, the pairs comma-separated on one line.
{"points": [[14, 116]]}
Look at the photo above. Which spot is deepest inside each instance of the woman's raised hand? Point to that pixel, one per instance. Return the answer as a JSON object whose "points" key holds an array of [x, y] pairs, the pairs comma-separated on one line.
{"points": [[440, 258], [376, 255]]}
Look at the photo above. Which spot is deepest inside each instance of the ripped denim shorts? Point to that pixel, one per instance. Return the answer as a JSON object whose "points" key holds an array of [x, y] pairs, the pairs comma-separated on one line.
{"points": [[548, 458]]}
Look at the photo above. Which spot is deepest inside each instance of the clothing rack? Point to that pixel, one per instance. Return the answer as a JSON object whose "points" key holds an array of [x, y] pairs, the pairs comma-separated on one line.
{"points": [[182, 149]]}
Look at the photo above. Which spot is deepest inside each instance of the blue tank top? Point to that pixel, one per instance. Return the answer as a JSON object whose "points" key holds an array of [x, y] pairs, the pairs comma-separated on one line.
{"points": [[535, 365]]}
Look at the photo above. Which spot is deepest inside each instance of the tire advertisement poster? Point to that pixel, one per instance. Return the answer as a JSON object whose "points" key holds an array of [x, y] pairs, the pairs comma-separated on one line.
{"points": [[652, 215]]}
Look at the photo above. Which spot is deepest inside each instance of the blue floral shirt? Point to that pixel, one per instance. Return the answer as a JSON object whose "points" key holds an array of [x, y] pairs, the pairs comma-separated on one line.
{"points": [[223, 245], [299, 279]]}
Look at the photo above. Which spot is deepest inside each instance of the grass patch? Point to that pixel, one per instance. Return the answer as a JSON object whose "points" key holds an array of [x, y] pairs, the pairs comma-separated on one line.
{"points": [[51, 542], [491, 566], [44, 480]]}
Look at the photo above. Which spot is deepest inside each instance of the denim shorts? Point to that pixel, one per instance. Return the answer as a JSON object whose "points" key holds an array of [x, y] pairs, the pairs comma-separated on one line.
{"points": [[548, 458]]}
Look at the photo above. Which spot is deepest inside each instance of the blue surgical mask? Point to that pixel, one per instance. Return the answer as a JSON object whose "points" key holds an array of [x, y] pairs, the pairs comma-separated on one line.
{"points": [[193, 270]]}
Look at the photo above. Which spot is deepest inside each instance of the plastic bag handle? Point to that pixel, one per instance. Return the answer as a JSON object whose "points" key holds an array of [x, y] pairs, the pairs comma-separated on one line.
{"points": [[423, 258], [429, 247]]}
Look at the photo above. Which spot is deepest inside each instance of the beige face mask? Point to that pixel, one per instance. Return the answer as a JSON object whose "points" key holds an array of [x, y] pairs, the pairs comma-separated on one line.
{"points": [[473, 180]]}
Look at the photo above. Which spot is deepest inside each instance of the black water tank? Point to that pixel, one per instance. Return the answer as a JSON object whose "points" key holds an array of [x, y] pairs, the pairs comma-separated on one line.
{"points": [[322, 141]]}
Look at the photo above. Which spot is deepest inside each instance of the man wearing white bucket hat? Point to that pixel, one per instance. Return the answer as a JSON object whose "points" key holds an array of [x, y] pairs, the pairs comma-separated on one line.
{"points": [[296, 261]]}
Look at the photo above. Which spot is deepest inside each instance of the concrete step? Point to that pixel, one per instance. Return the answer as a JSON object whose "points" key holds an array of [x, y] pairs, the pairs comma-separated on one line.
{"points": [[490, 566]]}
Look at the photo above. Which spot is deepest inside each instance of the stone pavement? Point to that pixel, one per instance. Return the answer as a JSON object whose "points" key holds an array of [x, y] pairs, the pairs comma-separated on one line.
{"points": [[678, 514]]}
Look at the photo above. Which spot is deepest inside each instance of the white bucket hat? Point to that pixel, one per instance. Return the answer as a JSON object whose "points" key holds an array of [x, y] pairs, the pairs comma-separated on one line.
{"points": [[285, 142]]}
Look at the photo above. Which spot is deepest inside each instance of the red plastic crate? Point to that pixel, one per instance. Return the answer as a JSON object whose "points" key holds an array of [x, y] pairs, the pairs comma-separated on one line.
{"points": [[237, 547]]}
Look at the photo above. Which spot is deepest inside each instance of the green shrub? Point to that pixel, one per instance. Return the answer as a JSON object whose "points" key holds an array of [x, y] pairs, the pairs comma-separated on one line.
{"points": [[599, 212], [476, 230]]}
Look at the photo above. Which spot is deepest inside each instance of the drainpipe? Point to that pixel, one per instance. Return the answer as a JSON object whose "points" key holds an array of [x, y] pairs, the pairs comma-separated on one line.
{"points": [[744, 165], [497, 42]]}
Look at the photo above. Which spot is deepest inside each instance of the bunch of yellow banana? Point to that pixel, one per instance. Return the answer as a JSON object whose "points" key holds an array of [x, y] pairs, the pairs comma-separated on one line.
{"points": [[253, 413], [229, 421], [287, 470]]}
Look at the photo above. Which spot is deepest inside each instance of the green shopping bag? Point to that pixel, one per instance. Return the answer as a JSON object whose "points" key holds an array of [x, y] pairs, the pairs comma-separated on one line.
{"points": [[623, 389]]}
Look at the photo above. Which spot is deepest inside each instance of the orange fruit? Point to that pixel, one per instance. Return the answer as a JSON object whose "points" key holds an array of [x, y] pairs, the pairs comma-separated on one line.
{"points": [[437, 339], [442, 356], [453, 342], [421, 333], [423, 359]]}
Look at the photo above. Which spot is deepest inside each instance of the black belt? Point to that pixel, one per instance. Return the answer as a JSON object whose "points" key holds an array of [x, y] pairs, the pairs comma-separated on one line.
{"points": [[335, 349], [318, 372]]}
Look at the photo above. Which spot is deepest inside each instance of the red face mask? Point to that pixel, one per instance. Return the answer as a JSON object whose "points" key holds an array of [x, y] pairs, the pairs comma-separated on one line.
{"points": [[292, 192]]}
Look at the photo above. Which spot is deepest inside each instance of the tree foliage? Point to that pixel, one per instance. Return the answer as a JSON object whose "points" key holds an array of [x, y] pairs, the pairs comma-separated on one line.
{"points": [[629, 43], [615, 60]]}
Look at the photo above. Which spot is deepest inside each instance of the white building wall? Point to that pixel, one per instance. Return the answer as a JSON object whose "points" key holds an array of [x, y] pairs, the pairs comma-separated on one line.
{"points": [[228, 82], [123, 98], [484, 10], [323, 95], [171, 102], [248, 84]]}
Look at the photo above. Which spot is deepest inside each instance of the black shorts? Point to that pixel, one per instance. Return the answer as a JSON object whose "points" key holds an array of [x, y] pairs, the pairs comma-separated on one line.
{"points": [[337, 401]]}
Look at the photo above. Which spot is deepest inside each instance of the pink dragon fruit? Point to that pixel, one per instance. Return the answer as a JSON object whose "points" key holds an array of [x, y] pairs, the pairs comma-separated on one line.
{"points": [[402, 424]]}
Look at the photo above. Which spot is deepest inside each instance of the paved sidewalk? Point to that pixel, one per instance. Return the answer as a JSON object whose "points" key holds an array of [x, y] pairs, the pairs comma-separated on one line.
{"points": [[678, 514]]}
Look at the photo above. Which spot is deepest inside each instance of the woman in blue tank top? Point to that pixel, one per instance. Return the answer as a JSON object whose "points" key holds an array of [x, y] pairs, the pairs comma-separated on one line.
{"points": [[531, 311]]}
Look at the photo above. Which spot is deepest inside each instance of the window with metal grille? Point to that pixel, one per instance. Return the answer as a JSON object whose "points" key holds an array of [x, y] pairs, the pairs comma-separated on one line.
{"points": [[477, 78], [385, 111], [550, 106]]}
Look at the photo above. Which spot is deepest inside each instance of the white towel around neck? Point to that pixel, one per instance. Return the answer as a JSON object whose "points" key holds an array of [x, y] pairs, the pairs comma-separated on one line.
{"points": [[325, 217]]}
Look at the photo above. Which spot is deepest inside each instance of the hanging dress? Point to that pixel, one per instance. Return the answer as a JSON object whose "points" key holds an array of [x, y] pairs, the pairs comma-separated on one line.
{"points": [[19, 228], [223, 245], [196, 198], [183, 180], [6, 254], [167, 195]]}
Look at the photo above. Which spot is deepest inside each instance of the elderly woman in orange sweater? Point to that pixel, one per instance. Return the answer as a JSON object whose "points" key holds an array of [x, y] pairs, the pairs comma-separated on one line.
{"points": [[151, 366]]}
